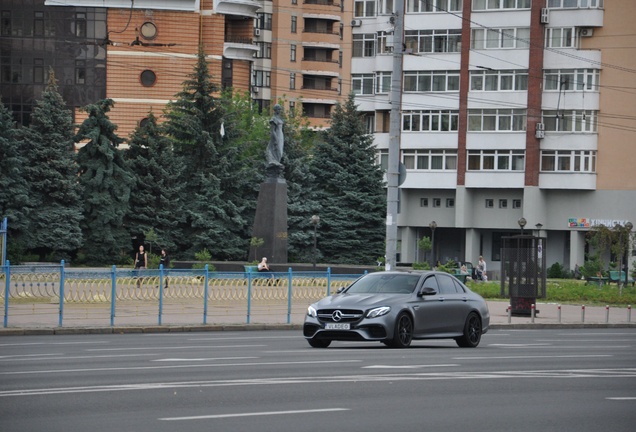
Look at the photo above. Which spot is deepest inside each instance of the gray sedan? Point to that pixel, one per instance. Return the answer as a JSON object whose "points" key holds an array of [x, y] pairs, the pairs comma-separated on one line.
{"points": [[396, 307]]}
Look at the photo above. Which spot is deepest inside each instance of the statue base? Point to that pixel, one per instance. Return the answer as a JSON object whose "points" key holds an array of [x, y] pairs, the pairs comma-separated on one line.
{"points": [[270, 222]]}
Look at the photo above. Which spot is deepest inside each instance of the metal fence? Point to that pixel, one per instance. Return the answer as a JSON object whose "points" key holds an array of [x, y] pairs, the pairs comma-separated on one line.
{"points": [[127, 294]]}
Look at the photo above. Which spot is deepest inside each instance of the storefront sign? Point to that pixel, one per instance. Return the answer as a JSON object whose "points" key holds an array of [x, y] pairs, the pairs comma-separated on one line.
{"points": [[587, 223]]}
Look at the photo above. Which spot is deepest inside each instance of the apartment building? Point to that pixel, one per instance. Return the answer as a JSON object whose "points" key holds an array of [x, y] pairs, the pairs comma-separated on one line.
{"points": [[302, 56], [510, 109]]}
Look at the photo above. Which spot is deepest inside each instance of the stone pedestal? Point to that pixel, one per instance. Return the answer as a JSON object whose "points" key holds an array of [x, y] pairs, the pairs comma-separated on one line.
{"points": [[270, 223]]}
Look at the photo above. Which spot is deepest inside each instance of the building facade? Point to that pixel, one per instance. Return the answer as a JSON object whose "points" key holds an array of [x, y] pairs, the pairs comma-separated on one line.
{"points": [[510, 109]]}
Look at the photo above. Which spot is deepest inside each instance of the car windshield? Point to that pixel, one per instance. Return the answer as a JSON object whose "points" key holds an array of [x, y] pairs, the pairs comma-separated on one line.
{"points": [[385, 283]]}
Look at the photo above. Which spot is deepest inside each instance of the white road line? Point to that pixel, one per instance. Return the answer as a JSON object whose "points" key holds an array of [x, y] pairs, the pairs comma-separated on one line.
{"points": [[583, 340], [266, 413], [565, 347], [227, 339], [407, 367], [63, 357], [13, 357], [202, 359], [519, 345], [54, 343], [56, 371], [621, 398], [531, 357], [176, 347], [597, 334]]}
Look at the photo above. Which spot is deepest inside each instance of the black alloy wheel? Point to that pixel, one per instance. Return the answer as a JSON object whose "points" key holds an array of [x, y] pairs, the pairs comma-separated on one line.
{"points": [[403, 331], [472, 332], [319, 343]]}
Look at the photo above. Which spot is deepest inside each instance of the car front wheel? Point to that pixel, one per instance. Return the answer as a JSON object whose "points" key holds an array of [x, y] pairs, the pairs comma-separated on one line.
{"points": [[403, 332], [472, 332], [319, 343]]}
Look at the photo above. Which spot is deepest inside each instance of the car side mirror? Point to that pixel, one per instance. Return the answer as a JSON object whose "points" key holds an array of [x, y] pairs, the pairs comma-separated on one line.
{"points": [[340, 290], [427, 291]]}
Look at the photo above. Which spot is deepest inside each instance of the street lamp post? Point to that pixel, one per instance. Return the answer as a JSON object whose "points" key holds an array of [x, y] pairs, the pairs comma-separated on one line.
{"points": [[315, 220], [433, 225], [522, 223]]}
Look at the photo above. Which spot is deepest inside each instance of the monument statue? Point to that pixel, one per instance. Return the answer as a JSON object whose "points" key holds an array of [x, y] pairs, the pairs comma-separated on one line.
{"points": [[274, 152]]}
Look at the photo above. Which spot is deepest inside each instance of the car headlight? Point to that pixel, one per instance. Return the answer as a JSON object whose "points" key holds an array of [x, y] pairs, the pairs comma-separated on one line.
{"points": [[311, 311], [378, 312]]}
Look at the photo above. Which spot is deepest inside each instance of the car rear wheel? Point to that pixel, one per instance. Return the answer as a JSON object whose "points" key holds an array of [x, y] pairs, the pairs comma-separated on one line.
{"points": [[403, 332], [472, 332], [319, 343]]}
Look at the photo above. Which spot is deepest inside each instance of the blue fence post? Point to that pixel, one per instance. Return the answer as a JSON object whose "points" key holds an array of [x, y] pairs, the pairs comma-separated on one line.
{"points": [[249, 294], [366, 272], [6, 291], [113, 293], [205, 296], [62, 293], [289, 296], [328, 281], [160, 301]]}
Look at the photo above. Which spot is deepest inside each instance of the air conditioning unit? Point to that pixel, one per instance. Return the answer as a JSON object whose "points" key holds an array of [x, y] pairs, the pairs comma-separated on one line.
{"points": [[539, 131], [587, 32], [257, 32], [540, 126], [545, 16], [255, 89], [356, 23]]}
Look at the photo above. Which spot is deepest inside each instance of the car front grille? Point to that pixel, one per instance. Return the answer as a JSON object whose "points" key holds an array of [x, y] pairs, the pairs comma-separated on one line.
{"points": [[347, 315]]}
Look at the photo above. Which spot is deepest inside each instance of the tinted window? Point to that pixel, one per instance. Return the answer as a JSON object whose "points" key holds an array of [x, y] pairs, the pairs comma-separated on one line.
{"points": [[460, 288], [446, 284], [431, 283], [385, 283]]}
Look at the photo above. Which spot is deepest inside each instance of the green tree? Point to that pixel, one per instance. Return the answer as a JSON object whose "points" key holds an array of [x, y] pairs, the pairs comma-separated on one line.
{"points": [[218, 188], [52, 173], [155, 202], [349, 188], [107, 182], [15, 202]]}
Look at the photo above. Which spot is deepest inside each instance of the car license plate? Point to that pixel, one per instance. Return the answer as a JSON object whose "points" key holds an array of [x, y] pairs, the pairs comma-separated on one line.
{"points": [[337, 326]]}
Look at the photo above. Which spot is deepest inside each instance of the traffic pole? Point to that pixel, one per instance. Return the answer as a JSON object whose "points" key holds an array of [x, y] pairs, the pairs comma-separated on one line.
{"points": [[583, 313]]}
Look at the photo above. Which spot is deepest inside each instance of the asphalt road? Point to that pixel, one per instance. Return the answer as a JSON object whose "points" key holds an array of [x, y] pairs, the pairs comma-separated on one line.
{"points": [[525, 380]]}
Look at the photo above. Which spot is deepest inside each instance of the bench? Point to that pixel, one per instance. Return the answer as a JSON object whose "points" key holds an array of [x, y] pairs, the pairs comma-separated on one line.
{"points": [[461, 277], [613, 277], [593, 280], [256, 274]]}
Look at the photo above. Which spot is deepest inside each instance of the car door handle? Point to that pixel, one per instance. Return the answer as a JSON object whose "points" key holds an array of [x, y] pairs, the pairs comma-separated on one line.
{"points": [[441, 299], [464, 299], [416, 307]]}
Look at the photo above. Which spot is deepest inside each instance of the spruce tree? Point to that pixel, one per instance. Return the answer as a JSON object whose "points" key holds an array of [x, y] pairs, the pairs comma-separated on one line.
{"points": [[15, 203], [349, 189], [215, 178], [155, 200], [107, 182], [52, 173]]}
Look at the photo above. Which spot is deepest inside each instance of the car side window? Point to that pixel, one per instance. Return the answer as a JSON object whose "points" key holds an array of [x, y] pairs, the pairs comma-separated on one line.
{"points": [[430, 282], [446, 284], [460, 288]]}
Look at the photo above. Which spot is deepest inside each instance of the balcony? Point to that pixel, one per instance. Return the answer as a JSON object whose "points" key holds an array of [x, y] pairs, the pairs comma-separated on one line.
{"points": [[567, 180], [321, 2], [239, 48], [317, 87], [242, 8]]}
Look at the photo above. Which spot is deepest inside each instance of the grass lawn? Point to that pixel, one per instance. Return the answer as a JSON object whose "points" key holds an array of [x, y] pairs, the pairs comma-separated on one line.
{"points": [[569, 291]]}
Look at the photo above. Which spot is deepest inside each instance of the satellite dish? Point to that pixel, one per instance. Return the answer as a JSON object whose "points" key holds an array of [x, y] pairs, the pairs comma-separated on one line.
{"points": [[401, 174]]}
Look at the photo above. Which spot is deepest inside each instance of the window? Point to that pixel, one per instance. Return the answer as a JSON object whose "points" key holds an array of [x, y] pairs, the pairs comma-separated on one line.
{"points": [[369, 120], [38, 71], [148, 78], [423, 202], [439, 41], [383, 159], [437, 202], [501, 4], [340, 58], [264, 50], [496, 245], [364, 8], [489, 203], [503, 203], [80, 25], [341, 31], [362, 84], [38, 24], [497, 160], [385, 7], [504, 38], [432, 160], [292, 108], [80, 74], [294, 24], [292, 53], [383, 82], [6, 23], [148, 31], [575, 3], [450, 202], [433, 121], [571, 79], [426, 81], [499, 80], [385, 42], [292, 80], [339, 86], [568, 160], [363, 45], [294, 2], [261, 78], [264, 21], [415, 6], [496, 120], [516, 203], [570, 120], [559, 37]]}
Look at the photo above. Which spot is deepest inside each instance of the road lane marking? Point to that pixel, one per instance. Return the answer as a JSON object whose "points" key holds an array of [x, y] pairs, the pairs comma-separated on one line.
{"points": [[13, 357], [531, 357], [265, 413], [407, 367], [512, 345], [53, 343], [54, 371], [176, 347], [322, 380], [61, 356], [202, 359], [228, 339], [621, 398], [564, 347]]}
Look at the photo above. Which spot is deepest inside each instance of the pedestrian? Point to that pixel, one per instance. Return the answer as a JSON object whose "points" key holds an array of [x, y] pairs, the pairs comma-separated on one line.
{"points": [[263, 267], [577, 272], [481, 269], [165, 261], [141, 261]]}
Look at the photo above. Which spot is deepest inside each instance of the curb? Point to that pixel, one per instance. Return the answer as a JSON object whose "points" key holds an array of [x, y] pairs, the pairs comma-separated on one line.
{"points": [[255, 327]]}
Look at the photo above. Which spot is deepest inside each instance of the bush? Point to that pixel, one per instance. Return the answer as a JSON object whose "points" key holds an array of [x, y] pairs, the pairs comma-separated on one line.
{"points": [[421, 266], [204, 257], [153, 261], [556, 271]]}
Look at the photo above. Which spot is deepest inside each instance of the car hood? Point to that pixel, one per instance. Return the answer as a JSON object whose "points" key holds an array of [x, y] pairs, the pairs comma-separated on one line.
{"points": [[360, 301]]}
